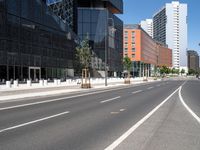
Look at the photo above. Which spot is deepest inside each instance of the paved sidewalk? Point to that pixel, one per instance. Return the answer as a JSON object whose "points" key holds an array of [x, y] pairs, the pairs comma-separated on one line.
{"points": [[11, 94]]}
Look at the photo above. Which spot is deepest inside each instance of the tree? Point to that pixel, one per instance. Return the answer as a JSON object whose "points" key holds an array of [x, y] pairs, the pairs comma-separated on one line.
{"points": [[84, 55], [164, 70], [182, 71], [191, 72], [127, 66]]}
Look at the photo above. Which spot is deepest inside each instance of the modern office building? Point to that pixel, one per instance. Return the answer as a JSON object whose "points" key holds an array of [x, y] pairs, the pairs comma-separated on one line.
{"points": [[147, 25], [144, 51], [66, 10], [97, 20], [170, 27], [193, 60], [34, 42]]}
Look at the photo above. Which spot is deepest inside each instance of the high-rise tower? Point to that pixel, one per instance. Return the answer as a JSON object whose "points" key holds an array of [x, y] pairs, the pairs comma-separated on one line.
{"points": [[170, 27]]}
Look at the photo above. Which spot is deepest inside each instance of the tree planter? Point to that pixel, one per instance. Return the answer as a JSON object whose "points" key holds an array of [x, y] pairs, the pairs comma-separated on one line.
{"points": [[127, 81], [85, 81], [86, 85], [145, 80]]}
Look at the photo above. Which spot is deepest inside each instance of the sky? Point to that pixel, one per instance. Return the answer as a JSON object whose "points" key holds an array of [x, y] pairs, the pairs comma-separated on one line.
{"points": [[137, 10]]}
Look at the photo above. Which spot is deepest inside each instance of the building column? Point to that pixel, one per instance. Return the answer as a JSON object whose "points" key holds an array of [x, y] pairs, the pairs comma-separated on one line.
{"points": [[148, 70], [140, 70], [143, 69]]}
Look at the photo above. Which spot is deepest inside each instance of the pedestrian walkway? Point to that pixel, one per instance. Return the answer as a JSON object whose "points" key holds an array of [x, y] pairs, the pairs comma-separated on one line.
{"points": [[63, 88]]}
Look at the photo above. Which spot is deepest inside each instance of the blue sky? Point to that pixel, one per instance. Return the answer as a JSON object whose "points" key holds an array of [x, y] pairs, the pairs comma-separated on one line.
{"points": [[137, 10]]}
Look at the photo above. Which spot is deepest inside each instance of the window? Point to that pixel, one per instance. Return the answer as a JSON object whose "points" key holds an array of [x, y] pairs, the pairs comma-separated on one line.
{"points": [[125, 49], [126, 39], [133, 49], [126, 33], [126, 44], [133, 55]]}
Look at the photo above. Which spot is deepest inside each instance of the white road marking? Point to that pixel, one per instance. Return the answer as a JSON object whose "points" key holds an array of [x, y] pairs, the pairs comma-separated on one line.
{"points": [[187, 107], [111, 99], [158, 85], [32, 122], [150, 88], [139, 123], [122, 110], [114, 112], [137, 91], [64, 98]]}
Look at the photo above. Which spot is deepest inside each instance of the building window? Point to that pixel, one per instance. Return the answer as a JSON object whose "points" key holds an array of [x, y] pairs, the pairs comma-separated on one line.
{"points": [[126, 38], [126, 44], [133, 55], [126, 33], [133, 49], [125, 49]]}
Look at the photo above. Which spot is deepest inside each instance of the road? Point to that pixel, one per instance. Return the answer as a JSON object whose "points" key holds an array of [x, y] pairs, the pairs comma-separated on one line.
{"points": [[146, 117]]}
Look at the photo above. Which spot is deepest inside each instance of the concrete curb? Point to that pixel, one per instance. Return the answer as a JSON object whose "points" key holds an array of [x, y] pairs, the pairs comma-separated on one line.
{"points": [[55, 92]]}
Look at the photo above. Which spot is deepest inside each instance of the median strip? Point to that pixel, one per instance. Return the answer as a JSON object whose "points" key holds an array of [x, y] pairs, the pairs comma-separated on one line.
{"points": [[32, 122], [112, 99]]}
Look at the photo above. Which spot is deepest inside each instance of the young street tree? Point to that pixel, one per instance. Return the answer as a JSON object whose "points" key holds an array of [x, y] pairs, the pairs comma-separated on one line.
{"points": [[182, 71], [127, 66], [84, 55]]}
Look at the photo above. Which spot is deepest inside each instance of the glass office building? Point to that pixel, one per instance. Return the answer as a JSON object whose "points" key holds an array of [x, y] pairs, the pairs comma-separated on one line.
{"points": [[34, 42], [97, 20], [66, 10]]}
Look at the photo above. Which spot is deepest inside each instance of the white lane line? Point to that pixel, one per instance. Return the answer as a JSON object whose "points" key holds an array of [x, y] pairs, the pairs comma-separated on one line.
{"points": [[187, 107], [150, 88], [64, 98], [158, 85], [111, 99], [122, 110], [139, 123], [137, 91], [32, 122]]}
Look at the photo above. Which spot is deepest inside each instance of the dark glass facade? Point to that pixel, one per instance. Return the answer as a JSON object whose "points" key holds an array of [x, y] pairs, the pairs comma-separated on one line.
{"points": [[97, 23], [34, 43], [66, 10]]}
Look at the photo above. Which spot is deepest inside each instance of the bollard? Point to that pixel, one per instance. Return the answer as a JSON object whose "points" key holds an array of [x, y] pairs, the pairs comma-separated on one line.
{"points": [[45, 82], [8, 84], [29, 83], [55, 82], [41, 82], [16, 84], [59, 82]]}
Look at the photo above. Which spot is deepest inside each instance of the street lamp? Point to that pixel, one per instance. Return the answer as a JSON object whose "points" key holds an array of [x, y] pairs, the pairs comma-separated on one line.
{"points": [[106, 42]]}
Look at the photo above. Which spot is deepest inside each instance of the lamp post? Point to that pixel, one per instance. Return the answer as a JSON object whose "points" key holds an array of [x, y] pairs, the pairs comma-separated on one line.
{"points": [[106, 43]]}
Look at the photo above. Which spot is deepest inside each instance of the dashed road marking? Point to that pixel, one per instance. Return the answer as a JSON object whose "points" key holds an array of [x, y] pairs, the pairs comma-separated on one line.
{"points": [[136, 91], [111, 99], [34, 121]]}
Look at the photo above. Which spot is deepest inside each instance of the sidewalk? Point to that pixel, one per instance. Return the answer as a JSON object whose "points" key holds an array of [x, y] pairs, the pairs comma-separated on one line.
{"points": [[64, 88]]}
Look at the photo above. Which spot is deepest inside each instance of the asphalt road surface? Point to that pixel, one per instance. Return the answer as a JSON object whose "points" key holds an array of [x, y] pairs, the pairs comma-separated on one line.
{"points": [[145, 117]]}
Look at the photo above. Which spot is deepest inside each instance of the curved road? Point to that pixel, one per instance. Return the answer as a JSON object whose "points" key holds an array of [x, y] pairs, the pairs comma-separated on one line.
{"points": [[94, 120]]}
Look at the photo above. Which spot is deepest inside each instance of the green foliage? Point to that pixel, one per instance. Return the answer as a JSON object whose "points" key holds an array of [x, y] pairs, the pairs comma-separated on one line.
{"points": [[182, 71], [165, 70], [192, 72], [83, 53], [175, 71], [127, 63]]}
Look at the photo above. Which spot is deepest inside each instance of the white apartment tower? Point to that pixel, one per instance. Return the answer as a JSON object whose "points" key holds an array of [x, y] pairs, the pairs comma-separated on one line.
{"points": [[170, 27], [147, 25]]}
